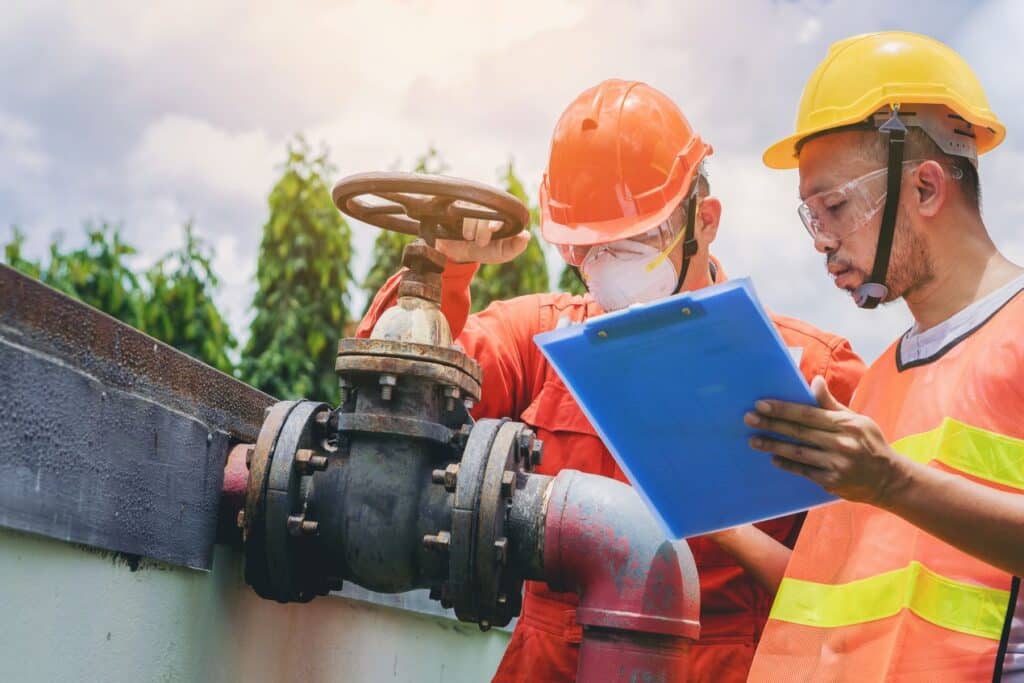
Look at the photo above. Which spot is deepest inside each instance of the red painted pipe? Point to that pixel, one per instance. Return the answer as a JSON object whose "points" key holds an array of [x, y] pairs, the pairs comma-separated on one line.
{"points": [[232, 495], [639, 594]]}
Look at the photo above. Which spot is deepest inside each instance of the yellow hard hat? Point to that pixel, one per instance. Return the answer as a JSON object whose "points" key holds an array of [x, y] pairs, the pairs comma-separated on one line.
{"points": [[865, 73]]}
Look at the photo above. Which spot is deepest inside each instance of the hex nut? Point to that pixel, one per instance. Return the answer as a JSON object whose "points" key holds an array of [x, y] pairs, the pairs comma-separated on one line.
{"points": [[536, 452], [525, 439], [508, 480], [439, 541], [308, 461], [387, 382], [298, 525], [450, 394], [501, 550]]}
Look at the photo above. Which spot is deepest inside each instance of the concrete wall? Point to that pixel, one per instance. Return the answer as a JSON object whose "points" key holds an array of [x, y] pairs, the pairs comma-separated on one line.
{"points": [[75, 614]]}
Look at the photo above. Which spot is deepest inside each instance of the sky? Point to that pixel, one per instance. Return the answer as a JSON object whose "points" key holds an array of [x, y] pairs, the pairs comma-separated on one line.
{"points": [[152, 114]]}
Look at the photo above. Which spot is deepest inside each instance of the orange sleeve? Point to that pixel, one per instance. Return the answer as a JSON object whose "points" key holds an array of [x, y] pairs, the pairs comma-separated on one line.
{"points": [[843, 370], [500, 339], [455, 300]]}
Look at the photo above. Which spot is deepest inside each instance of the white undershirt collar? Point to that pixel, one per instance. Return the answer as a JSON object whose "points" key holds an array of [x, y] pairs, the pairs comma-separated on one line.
{"points": [[917, 347]]}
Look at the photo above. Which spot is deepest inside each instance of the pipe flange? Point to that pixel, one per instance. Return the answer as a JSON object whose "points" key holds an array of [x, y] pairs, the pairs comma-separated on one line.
{"points": [[281, 560], [439, 373], [481, 588], [252, 520], [410, 351]]}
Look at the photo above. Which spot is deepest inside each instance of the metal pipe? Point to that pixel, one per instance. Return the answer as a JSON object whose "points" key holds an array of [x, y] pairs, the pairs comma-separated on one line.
{"points": [[639, 594], [232, 497]]}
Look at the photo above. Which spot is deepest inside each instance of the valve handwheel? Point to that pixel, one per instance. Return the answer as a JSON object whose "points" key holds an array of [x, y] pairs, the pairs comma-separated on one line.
{"points": [[430, 206]]}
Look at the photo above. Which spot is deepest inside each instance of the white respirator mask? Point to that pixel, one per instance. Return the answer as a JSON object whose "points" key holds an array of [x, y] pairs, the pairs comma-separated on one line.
{"points": [[628, 272]]}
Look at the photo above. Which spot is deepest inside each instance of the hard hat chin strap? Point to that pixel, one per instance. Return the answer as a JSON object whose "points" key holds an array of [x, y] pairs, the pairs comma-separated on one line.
{"points": [[874, 291], [689, 238]]}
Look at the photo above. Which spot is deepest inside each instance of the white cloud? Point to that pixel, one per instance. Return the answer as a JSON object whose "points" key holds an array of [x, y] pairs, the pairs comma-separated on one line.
{"points": [[178, 151], [19, 146], [809, 30]]}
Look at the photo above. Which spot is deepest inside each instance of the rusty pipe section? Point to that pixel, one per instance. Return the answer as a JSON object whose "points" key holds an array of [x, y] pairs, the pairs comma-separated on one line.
{"points": [[639, 594], [399, 488]]}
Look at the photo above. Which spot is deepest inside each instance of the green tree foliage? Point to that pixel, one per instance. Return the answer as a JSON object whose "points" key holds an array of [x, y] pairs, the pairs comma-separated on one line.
{"points": [[173, 301], [387, 247], [99, 274], [180, 309], [14, 258], [526, 274], [302, 275]]}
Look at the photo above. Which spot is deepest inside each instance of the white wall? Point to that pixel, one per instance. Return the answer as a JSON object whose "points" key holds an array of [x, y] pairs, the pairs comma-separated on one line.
{"points": [[74, 614]]}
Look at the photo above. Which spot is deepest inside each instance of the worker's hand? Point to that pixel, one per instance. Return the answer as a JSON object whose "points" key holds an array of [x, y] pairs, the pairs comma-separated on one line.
{"points": [[478, 246], [839, 449], [757, 552], [728, 538]]}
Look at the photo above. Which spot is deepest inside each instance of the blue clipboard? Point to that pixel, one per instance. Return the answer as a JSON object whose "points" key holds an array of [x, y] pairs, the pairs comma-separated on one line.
{"points": [[666, 385]]}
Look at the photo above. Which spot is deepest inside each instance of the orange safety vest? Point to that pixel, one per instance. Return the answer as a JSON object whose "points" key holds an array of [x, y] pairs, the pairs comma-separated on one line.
{"points": [[868, 596]]}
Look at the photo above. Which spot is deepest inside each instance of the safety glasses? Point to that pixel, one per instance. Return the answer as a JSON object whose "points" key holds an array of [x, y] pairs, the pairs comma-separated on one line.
{"points": [[662, 238], [841, 211]]}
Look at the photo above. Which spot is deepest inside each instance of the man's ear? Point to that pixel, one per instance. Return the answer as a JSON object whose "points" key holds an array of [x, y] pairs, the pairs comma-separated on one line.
{"points": [[709, 214], [931, 188]]}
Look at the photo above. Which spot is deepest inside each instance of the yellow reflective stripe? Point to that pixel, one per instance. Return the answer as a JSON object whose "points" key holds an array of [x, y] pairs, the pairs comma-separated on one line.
{"points": [[987, 455], [961, 607]]}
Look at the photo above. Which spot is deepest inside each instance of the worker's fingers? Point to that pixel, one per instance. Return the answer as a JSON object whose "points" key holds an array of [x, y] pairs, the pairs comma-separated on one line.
{"points": [[497, 251], [485, 231], [469, 228], [815, 474], [812, 416], [802, 453], [797, 430]]}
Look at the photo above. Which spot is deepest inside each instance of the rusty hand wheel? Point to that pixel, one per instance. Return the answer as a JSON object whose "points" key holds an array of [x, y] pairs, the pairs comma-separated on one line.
{"points": [[431, 206]]}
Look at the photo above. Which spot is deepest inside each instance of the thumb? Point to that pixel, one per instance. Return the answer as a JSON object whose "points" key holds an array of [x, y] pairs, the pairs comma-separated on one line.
{"points": [[824, 397], [512, 247]]}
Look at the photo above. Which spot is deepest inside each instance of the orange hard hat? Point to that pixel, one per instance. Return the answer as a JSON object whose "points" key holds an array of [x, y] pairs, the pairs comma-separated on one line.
{"points": [[623, 157]]}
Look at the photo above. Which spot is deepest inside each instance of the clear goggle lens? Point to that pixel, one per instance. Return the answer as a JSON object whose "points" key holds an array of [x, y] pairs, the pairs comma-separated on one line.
{"points": [[662, 238], [843, 210]]}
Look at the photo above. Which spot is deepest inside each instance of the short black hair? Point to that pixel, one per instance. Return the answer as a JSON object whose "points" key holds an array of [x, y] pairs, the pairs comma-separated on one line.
{"points": [[920, 146]]}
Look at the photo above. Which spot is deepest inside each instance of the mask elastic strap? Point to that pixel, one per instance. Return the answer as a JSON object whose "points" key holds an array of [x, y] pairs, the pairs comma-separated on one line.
{"points": [[873, 292], [665, 253]]}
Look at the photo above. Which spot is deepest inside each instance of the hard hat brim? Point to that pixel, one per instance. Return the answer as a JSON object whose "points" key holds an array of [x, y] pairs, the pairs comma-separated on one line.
{"points": [[585, 234], [990, 131], [602, 232]]}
